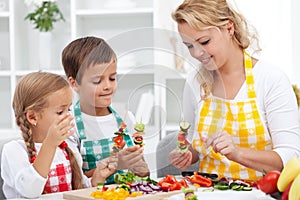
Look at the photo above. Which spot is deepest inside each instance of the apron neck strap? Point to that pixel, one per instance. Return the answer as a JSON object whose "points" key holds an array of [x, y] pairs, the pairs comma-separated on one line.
{"points": [[80, 124], [249, 75], [118, 118]]}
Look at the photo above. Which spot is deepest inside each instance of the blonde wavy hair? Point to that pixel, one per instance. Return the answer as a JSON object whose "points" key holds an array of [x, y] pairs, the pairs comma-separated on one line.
{"points": [[203, 14], [31, 94]]}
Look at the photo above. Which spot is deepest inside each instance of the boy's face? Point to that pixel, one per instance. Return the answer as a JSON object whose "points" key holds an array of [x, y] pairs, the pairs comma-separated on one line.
{"points": [[98, 85]]}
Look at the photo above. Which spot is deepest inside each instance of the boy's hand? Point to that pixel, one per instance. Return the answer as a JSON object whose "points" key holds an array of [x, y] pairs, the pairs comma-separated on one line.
{"points": [[61, 129], [180, 160], [105, 168], [140, 169], [129, 157]]}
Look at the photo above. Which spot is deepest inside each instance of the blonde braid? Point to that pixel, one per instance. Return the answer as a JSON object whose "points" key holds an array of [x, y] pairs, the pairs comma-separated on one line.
{"points": [[76, 171], [26, 134]]}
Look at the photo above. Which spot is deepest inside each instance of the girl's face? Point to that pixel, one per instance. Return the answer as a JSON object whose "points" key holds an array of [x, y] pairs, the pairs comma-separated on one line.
{"points": [[98, 85], [58, 104], [210, 46]]}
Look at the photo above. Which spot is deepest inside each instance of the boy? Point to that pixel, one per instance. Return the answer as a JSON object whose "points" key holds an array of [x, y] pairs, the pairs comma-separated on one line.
{"points": [[90, 66]]}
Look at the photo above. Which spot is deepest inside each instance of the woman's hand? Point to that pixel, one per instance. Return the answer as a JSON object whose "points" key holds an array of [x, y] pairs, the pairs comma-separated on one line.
{"points": [[223, 143], [105, 168], [130, 157], [180, 160]]}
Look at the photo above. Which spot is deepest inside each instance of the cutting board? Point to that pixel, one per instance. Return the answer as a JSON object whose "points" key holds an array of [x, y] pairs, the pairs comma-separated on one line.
{"points": [[84, 194]]}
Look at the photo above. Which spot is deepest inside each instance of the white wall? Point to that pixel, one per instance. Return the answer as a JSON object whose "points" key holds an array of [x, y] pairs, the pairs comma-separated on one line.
{"points": [[296, 39], [277, 22]]}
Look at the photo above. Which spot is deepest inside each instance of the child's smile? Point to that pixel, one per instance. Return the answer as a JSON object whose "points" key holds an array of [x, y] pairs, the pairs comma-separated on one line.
{"points": [[97, 87]]}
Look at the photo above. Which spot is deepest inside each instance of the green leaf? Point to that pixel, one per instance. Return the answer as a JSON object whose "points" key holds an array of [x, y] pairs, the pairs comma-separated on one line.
{"points": [[45, 16]]}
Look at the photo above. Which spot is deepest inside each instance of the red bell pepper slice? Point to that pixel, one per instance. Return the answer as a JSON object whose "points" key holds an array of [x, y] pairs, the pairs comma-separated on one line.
{"points": [[118, 140], [165, 186], [201, 180], [183, 183], [170, 179]]}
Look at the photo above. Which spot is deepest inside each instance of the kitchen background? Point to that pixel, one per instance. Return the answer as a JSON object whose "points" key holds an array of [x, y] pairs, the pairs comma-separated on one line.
{"points": [[152, 61]]}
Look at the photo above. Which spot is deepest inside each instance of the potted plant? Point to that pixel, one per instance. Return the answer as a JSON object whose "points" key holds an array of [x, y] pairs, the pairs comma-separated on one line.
{"points": [[45, 14]]}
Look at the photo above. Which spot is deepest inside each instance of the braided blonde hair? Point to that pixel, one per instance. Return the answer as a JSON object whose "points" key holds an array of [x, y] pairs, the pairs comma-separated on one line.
{"points": [[31, 94], [203, 14]]}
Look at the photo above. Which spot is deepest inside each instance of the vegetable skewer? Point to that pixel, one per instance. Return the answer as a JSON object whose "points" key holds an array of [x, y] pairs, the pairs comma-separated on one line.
{"points": [[119, 142], [137, 136], [182, 143]]}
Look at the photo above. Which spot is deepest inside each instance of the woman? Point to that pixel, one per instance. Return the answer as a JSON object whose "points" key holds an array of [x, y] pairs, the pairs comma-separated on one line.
{"points": [[243, 110]]}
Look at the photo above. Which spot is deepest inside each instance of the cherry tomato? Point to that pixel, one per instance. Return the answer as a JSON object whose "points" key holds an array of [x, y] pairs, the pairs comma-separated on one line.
{"points": [[268, 183], [181, 137]]}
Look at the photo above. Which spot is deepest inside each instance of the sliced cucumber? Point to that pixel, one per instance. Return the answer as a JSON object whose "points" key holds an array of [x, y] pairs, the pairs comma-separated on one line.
{"points": [[240, 188], [184, 125], [140, 127], [211, 189], [235, 187], [232, 184], [221, 187], [247, 188]]}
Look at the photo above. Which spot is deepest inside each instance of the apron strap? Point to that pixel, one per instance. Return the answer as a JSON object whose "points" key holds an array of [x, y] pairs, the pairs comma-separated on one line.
{"points": [[81, 129], [79, 121], [249, 75], [118, 118]]}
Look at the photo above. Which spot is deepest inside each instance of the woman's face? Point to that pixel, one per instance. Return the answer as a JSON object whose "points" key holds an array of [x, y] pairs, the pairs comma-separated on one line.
{"points": [[210, 46]]}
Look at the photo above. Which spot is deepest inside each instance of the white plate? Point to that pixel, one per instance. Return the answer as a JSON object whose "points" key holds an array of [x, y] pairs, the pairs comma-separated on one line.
{"points": [[227, 195]]}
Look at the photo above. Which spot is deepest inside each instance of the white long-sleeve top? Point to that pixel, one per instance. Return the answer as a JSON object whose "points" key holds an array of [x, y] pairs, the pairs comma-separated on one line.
{"points": [[276, 102], [20, 179]]}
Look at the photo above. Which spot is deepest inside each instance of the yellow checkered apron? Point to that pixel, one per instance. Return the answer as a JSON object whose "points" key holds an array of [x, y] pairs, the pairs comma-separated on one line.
{"points": [[241, 120]]}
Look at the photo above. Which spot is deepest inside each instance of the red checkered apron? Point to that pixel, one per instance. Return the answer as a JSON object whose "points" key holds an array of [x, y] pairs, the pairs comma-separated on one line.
{"points": [[60, 175]]}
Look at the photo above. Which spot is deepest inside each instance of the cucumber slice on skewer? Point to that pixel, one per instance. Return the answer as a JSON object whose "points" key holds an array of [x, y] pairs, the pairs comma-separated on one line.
{"points": [[184, 125]]}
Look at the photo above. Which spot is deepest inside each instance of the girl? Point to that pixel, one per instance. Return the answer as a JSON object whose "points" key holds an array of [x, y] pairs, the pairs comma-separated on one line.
{"points": [[43, 162], [243, 110]]}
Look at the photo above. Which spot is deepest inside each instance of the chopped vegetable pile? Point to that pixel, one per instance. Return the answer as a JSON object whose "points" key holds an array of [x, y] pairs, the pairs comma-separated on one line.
{"points": [[233, 185], [131, 185], [114, 194], [170, 183], [129, 177]]}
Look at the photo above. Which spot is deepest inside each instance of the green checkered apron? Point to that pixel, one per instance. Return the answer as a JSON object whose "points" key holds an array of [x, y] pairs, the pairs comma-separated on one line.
{"points": [[93, 151]]}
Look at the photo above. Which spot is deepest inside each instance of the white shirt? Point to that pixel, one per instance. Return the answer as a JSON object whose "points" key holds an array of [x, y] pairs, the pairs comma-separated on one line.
{"points": [[20, 179], [100, 127], [276, 103]]}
